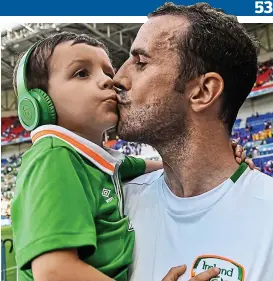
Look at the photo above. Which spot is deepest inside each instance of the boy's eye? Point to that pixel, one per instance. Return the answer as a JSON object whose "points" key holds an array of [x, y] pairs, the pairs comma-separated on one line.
{"points": [[83, 73]]}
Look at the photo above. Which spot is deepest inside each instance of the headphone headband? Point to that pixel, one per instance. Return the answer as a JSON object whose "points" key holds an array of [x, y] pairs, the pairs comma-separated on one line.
{"points": [[21, 81]]}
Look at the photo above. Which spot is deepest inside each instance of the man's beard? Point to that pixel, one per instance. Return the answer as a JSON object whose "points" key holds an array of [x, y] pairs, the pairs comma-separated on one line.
{"points": [[155, 123]]}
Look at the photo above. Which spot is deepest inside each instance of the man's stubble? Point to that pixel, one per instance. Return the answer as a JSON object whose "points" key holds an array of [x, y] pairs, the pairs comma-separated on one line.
{"points": [[156, 123]]}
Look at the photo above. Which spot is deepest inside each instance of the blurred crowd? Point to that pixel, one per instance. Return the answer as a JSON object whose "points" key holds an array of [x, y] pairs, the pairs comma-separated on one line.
{"points": [[256, 137], [9, 171], [127, 148], [265, 74], [12, 131], [249, 135]]}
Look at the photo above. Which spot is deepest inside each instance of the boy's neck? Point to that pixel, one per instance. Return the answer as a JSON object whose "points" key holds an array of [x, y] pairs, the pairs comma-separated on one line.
{"points": [[95, 138]]}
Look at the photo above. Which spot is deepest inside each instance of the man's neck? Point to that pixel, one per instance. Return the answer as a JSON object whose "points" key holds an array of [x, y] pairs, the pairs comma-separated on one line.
{"points": [[199, 163]]}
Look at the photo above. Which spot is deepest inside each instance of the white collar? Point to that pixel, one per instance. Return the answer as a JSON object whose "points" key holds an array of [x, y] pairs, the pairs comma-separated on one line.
{"points": [[105, 159]]}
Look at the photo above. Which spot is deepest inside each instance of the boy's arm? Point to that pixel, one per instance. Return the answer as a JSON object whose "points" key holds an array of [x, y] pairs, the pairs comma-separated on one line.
{"points": [[152, 166], [133, 167], [238, 151], [52, 209], [65, 265]]}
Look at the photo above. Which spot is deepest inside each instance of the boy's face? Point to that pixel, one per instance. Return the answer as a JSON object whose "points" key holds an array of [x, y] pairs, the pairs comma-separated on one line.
{"points": [[80, 85]]}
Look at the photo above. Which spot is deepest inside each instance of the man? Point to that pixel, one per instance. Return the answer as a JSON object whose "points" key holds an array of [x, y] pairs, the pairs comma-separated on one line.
{"points": [[190, 70]]}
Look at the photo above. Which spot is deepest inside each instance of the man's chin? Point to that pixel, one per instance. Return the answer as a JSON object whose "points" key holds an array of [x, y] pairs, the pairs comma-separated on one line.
{"points": [[122, 131], [127, 128]]}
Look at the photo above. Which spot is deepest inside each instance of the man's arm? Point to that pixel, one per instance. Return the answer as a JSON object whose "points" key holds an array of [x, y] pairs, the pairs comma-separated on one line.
{"points": [[64, 265]]}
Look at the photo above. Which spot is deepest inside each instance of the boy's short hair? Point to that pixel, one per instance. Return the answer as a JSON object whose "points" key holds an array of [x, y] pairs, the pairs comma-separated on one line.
{"points": [[38, 63]]}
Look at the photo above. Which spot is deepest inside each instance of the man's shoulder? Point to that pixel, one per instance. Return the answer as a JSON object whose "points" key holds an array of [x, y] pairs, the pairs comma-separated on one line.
{"points": [[141, 190], [261, 186]]}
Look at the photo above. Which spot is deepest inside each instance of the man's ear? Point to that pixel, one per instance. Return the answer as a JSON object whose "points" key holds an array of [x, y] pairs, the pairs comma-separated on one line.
{"points": [[210, 87]]}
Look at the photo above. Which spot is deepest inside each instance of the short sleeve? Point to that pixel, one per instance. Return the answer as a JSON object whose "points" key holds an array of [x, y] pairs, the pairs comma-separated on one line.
{"points": [[53, 207], [132, 167]]}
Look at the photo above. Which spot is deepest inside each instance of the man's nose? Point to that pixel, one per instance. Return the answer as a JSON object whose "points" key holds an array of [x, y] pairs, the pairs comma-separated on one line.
{"points": [[122, 80]]}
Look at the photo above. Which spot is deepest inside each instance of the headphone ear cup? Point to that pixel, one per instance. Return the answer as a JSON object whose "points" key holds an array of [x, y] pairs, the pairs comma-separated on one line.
{"points": [[47, 109], [29, 113]]}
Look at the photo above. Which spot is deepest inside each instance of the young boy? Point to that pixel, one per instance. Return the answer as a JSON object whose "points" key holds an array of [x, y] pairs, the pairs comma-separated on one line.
{"points": [[68, 200], [67, 213]]}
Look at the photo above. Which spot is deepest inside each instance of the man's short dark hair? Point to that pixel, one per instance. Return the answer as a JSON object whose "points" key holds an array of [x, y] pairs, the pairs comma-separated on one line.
{"points": [[216, 42], [38, 63]]}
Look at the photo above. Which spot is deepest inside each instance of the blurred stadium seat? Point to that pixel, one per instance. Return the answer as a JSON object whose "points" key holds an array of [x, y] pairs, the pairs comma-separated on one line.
{"points": [[12, 131]]}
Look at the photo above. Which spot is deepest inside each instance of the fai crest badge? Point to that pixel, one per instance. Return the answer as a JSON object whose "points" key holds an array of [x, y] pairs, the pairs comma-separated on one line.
{"points": [[229, 270]]}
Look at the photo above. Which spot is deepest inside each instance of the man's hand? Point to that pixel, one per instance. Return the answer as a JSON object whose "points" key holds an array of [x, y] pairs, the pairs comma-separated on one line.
{"points": [[175, 272], [240, 156]]}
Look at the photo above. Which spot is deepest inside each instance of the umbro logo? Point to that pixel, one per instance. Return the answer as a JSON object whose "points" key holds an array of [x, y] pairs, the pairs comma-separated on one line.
{"points": [[106, 193]]}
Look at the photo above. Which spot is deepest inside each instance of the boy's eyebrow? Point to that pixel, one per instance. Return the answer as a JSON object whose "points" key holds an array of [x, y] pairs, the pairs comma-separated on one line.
{"points": [[77, 61], [109, 67]]}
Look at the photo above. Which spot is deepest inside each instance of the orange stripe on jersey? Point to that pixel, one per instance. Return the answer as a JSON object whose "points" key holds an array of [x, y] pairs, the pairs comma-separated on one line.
{"points": [[78, 145]]}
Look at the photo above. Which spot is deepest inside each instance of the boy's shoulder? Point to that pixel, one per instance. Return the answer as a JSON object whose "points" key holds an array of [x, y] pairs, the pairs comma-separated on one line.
{"points": [[50, 147], [49, 143]]}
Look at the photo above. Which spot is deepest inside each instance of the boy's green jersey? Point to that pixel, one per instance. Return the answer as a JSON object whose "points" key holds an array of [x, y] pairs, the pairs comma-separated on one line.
{"points": [[68, 195]]}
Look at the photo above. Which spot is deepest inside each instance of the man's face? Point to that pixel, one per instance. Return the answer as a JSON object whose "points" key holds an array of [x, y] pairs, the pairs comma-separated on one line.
{"points": [[150, 106], [80, 85]]}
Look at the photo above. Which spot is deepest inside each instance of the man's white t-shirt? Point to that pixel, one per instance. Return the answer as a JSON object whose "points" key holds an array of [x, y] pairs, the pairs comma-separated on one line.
{"points": [[230, 227]]}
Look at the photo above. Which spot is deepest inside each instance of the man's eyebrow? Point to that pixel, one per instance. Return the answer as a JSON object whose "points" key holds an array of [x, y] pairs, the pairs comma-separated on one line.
{"points": [[139, 51]]}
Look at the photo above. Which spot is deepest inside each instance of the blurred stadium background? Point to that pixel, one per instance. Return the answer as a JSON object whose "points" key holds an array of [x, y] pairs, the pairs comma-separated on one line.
{"points": [[252, 129]]}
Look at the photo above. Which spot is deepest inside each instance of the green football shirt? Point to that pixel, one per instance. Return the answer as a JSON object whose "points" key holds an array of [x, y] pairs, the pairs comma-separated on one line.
{"points": [[68, 195]]}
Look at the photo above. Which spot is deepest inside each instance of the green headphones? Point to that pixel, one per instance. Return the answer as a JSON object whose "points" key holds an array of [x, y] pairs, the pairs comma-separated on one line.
{"points": [[35, 107]]}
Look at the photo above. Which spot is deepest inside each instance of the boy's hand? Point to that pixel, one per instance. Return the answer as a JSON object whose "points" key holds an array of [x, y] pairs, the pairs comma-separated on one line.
{"points": [[240, 156], [175, 272]]}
